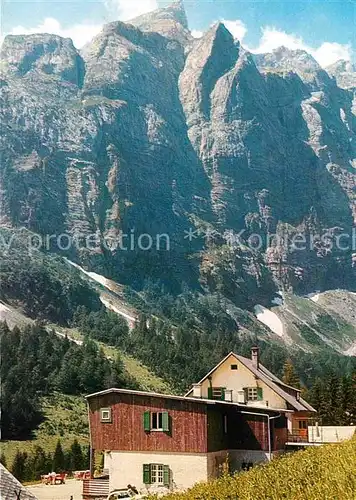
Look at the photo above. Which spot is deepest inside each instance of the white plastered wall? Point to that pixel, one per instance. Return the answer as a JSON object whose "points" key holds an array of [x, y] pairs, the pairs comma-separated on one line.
{"points": [[237, 380], [126, 467]]}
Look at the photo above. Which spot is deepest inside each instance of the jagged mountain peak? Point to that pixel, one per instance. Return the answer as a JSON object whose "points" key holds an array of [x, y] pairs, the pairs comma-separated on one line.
{"points": [[160, 141], [169, 21], [43, 53], [220, 29], [284, 60], [174, 12], [217, 38], [344, 73], [283, 57], [341, 65], [14, 46]]}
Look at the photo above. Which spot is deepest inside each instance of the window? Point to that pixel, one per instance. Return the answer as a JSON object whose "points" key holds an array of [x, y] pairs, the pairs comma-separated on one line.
{"points": [[216, 393], [105, 414], [254, 393], [157, 474], [156, 421], [233, 367], [302, 424]]}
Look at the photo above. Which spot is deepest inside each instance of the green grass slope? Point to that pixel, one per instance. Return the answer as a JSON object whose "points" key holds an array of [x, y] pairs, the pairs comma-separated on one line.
{"points": [[142, 377], [65, 418], [320, 473]]}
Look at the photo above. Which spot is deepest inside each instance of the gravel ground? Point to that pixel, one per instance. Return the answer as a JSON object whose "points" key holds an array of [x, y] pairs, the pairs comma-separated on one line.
{"points": [[58, 491]]}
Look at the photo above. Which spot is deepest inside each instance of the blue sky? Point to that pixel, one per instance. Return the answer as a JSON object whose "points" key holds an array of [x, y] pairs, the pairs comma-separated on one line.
{"points": [[326, 28]]}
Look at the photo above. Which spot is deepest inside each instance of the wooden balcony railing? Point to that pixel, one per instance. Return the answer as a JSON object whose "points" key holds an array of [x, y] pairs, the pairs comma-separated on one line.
{"points": [[298, 437]]}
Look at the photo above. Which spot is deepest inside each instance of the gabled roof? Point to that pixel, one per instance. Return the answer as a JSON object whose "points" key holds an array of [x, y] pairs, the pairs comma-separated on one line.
{"points": [[269, 379], [10, 487]]}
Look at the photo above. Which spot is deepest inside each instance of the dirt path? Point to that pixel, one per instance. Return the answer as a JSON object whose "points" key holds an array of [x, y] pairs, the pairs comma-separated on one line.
{"points": [[58, 491]]}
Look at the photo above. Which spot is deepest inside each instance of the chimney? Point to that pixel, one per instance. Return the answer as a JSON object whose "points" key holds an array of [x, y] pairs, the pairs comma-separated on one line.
{"points": [[255, 356], [196, 390]]}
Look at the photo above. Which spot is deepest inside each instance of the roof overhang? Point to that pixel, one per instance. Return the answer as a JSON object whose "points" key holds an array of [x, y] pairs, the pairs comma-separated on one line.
{"points": [[185, 398]]}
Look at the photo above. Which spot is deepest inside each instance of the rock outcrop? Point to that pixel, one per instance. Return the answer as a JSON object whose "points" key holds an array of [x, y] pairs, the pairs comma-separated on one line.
{"points": [[147, 131]]}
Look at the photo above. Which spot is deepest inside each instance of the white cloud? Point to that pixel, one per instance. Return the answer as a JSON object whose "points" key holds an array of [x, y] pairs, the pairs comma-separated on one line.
{"points": [[237, 28], [84, 32], [272, 39], [327, 53], [79, 33], [197, 33], [128, 9]]}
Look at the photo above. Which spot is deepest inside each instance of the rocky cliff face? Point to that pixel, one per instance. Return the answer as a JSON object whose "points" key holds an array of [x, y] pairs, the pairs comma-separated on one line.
{"points": [[149, 131], [345, 74]]}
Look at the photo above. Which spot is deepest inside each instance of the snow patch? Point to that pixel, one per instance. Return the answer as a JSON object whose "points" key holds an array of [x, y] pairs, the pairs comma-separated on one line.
{"points": [[351, 351], [109, 285], [314, 296], [3, 310], [94, 276], [117, 310], [269, 319]]}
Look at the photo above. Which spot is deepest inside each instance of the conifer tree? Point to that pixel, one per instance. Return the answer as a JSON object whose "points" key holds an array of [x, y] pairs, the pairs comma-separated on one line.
{"points": [[41, 463], [289, 375], [77, 459], [58, 463], [18, 468]]}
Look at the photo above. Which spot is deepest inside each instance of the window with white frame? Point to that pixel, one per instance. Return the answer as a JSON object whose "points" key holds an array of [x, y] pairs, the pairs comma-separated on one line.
{"points": [[252, 394], [105, 414], [218, 392], [156, 474], [157, 421]]}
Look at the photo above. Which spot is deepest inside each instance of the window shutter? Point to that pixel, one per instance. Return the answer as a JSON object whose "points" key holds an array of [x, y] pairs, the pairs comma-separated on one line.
{"points": [[166, 475], [223, 393], [246, 393], [146, 473], [259, 393], [147, 421], [165, 421], [210, 393]]}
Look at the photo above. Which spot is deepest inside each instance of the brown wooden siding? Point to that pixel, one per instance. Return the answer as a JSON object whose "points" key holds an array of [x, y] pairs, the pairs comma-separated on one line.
{"points": [[217, 439], [279, 432], [188, 424], [248, 432], [94, 489]]}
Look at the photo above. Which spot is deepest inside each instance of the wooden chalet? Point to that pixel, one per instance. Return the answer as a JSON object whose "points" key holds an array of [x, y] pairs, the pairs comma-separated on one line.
{"points": [[236, 416]]}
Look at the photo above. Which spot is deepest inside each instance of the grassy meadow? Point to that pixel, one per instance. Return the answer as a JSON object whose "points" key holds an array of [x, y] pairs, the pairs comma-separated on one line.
{"points": [[65, 418], [327, 472]]}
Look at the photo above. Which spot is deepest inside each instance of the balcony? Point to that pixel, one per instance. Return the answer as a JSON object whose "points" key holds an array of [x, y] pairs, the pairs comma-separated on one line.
{"points": [[300, 436]]}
